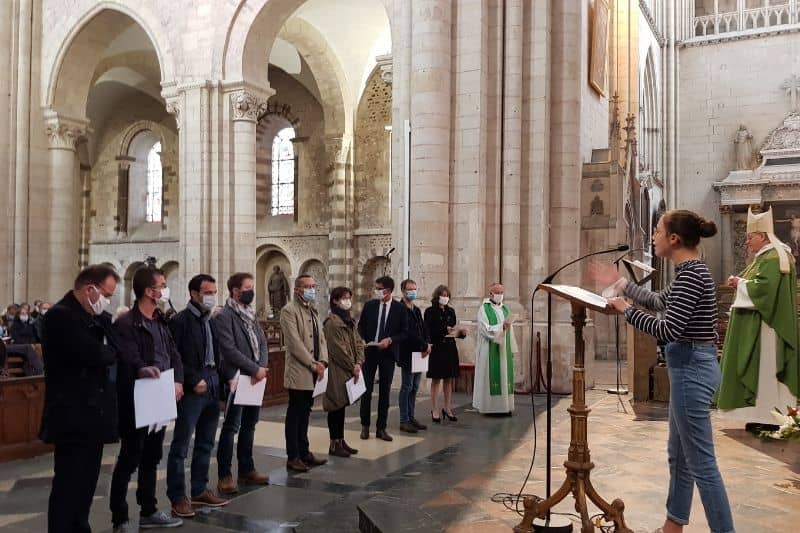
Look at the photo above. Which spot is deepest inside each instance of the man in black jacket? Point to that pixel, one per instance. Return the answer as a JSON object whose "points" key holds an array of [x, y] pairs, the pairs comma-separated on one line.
{"points": [[383, 325], [80, 407], [417, 340], [198, 411], [146, 349]]}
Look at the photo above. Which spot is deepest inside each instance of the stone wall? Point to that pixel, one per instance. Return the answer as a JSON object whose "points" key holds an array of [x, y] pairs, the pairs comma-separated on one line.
{"points": [[723, 85], [371, 147], [7, 107]]}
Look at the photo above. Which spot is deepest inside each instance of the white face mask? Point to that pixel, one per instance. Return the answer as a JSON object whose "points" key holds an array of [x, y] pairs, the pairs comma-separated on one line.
{"points": [[209, 301], [377, 294], [101, 305], [444, 300], [164, 295], [497, 298], [346, 304]]}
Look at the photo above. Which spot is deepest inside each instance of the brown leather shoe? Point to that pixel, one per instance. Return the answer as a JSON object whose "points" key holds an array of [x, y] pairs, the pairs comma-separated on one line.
{"points": [[364, 432], [381, 434], [209, 499], [227, 485], [350, 450], [337, 450], [254, 478], [182, 508], [296, 465], [312, 461]]}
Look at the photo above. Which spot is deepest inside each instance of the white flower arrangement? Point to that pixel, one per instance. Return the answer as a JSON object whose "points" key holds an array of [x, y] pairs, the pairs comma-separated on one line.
{"points": [[789, 425]]}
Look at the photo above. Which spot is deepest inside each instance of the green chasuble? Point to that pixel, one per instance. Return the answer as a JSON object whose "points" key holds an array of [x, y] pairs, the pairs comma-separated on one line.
{"points": [[773, 295], [494, 355]]}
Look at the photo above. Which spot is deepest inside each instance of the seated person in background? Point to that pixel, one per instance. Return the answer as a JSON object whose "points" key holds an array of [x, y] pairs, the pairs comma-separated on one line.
{"points": [[8, 318], [39, 321], [22, 330]]}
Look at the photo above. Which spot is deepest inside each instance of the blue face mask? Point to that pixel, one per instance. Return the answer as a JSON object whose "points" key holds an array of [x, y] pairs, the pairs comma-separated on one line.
{"points": [[309, 295], [411, 295]]}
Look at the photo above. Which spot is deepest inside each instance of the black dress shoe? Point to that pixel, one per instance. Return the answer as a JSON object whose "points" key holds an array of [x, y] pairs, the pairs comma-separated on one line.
{"points": [[381, 434], [451, 418], [296, 465], [408, 427], [364, 432], [418, 425]]}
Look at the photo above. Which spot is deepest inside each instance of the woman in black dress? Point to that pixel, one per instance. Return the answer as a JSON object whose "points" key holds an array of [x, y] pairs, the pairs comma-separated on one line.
{"points": [[440, 319]]}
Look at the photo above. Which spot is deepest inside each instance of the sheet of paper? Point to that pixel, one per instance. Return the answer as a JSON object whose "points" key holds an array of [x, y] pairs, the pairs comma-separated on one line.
{"points": [[418, 363], [154, 400], [642, 266], [247, 393], [582, 294], [373, 343], [321, 385], [355, 388]]}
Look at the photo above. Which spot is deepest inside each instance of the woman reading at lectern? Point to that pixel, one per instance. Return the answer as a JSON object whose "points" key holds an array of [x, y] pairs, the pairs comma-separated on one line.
{"points": [[689, 327]]}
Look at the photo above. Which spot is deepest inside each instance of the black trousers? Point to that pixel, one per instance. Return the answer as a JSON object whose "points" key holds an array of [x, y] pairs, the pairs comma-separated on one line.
{"points": [[383, 362], [140, 451], [296, 429], [77, 467], [336, 423]]}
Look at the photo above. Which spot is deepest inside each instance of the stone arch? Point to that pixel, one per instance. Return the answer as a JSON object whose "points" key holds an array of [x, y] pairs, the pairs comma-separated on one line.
{"points": [[328, 73], [69, 79], [268, 257], [135, 129], [373, 268], [127, 297], [317, 269]]}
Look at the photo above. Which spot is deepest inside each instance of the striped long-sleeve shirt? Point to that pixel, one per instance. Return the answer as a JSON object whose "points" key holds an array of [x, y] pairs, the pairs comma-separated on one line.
{"points": [[689, 305]]}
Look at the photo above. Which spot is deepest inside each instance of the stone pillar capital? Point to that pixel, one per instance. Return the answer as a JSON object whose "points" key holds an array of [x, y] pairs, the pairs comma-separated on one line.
{"points": [[385, 64], [174, 108], [248, 104], [336, 148], [63, 133]]}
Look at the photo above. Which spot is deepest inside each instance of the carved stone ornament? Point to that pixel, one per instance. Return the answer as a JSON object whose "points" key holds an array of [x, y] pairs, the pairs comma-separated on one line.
{"points": [[385, 64], [63, 133], [785, 137], [336, 149], [247, 106], [174, 108]]}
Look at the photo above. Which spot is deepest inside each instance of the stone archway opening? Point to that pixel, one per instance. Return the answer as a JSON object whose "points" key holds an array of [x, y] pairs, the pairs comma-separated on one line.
{"points": [[269, 259]]}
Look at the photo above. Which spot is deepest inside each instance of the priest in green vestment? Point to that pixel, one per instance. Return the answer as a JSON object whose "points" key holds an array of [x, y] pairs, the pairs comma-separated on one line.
{"points": [[760, 360], [493, 390]]}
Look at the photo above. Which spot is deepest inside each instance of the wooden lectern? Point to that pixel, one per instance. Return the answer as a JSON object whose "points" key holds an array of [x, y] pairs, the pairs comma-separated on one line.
{"points": [[578, 464]]}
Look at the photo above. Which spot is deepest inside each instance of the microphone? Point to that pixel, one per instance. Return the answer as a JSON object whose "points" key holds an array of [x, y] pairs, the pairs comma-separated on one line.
{"points": [[389, 252], [618, 248]]}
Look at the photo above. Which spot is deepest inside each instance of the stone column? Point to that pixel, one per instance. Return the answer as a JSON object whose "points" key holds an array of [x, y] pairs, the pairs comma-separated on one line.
{"points": [[22, 142], [246, 105], [726, 238], [430, 140], [63, 188], [512, 155], [336, 151]]}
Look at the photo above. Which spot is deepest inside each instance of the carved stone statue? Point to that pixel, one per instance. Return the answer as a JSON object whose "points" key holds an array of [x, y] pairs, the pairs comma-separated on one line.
{"points": [[744, 148], [278, 288]]}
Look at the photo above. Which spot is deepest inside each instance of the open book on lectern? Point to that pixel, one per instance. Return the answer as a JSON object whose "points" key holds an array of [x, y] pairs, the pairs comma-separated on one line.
{"points": [[577, 293]]}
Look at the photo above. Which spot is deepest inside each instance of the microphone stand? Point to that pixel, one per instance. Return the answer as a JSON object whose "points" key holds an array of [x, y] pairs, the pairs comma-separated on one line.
{"points": [[549, 373]]}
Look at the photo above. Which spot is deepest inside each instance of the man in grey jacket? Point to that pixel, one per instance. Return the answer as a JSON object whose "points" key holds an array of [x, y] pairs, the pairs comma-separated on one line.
{"points": [[243, 348]]}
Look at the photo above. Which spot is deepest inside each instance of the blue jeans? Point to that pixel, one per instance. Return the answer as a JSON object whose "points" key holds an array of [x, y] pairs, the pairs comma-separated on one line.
{"points": [[408, 394], [694, 376], [246, 417], [198, 414]]}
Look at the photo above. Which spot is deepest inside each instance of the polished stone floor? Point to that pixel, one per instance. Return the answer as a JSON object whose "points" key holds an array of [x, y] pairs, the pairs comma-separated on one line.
{"points": [[444, 479]]}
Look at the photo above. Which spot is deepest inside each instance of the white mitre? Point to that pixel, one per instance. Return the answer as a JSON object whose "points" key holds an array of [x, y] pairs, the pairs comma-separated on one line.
{"points": [[762, 222]]}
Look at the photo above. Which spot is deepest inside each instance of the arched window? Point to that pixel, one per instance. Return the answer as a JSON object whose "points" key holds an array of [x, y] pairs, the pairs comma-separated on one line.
{"points": [[155, 184], [283, 173]]}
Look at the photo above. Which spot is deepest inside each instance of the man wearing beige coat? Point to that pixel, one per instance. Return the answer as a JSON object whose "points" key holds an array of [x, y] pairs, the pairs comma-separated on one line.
{"points": [[306, 360]]}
